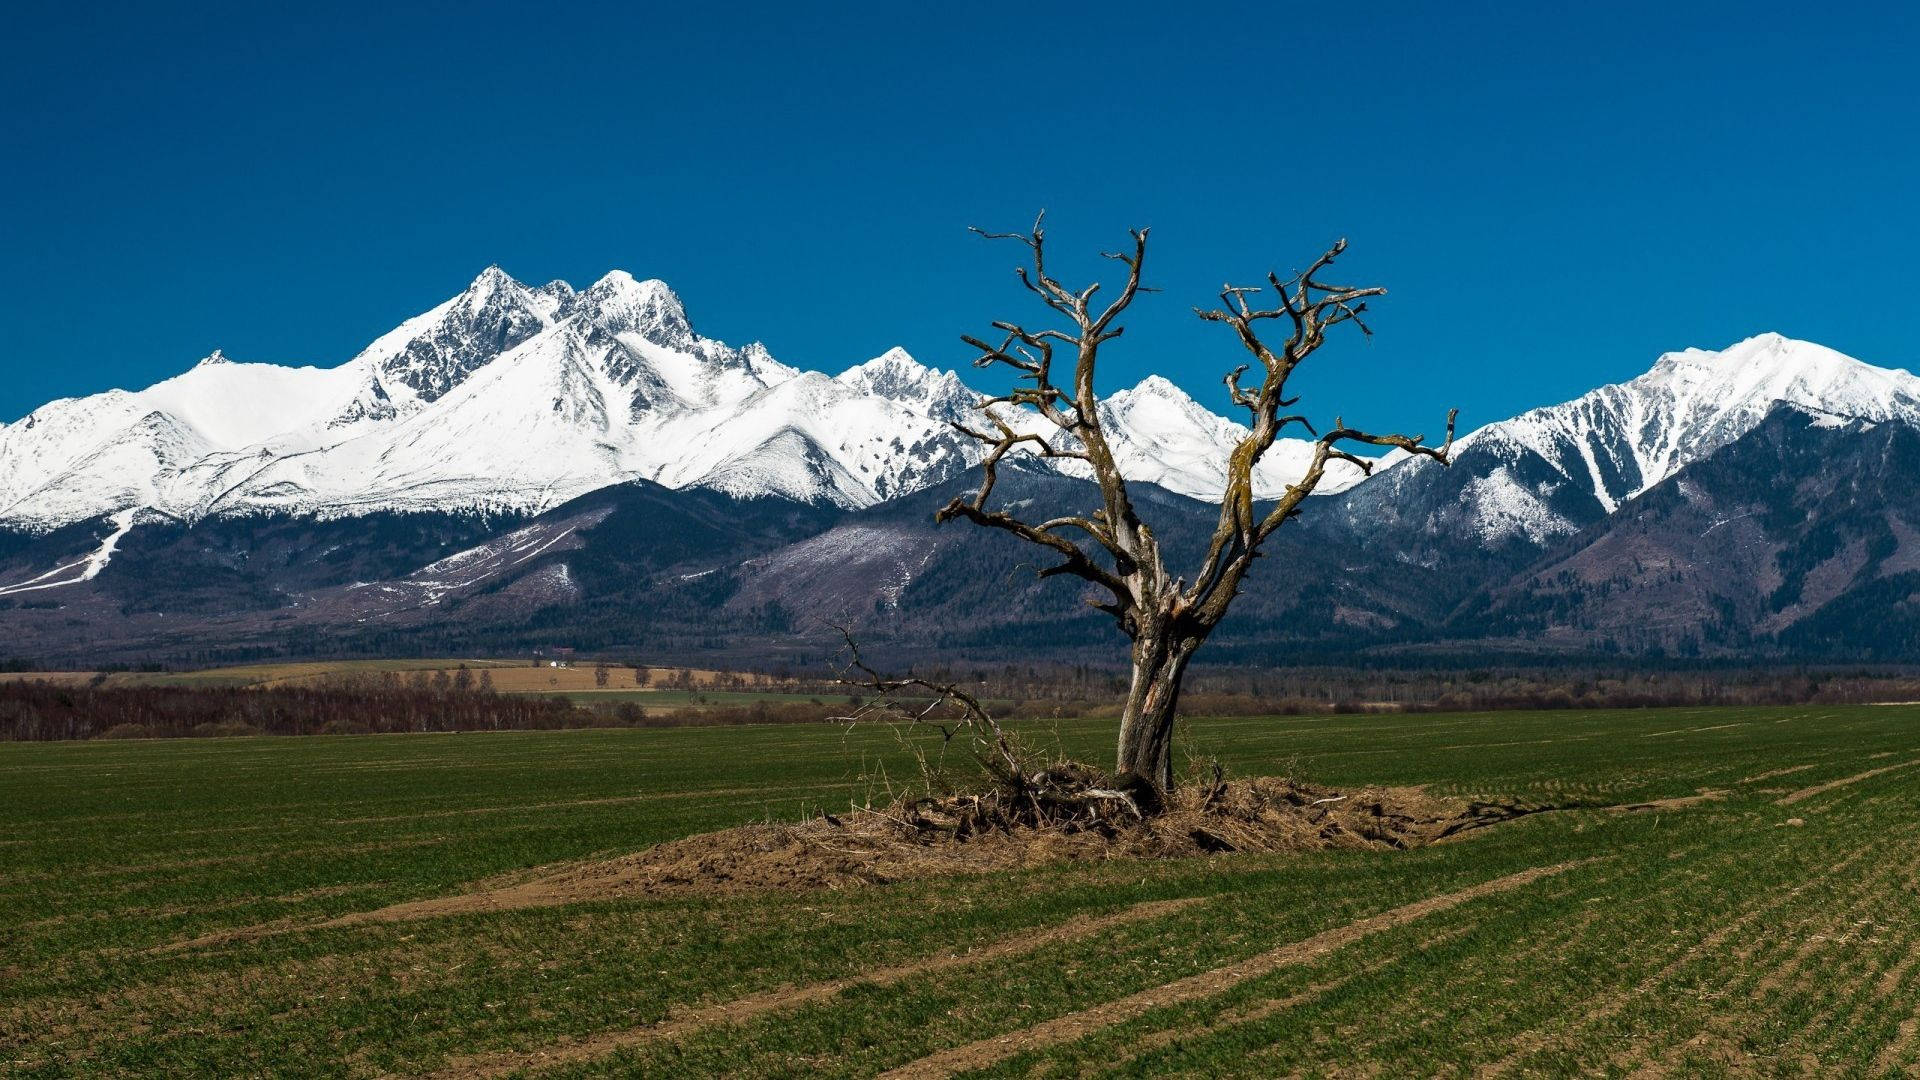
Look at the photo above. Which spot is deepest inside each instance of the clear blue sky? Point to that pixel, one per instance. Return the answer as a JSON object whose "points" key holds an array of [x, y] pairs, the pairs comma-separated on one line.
{"points": [[1552, 197]]}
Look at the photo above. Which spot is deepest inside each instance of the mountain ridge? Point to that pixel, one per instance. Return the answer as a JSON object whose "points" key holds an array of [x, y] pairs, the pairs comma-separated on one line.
{"points": [[513, 424], [509, 398]]}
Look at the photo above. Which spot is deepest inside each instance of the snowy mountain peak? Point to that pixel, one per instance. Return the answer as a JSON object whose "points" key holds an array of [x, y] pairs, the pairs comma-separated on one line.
{"points": [[1155, 388], [621, 305], [1549, 471], [895, 357], [1160, 434], [897, 376], [489, 283], [509, 399], [428, 355], [1761, 370], [1157, 402], [212, 358], [1161, 385]]}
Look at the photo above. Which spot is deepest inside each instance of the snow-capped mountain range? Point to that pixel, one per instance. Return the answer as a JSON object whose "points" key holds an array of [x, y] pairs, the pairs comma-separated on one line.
{"points": [[515, 399], [1756, 498], [1551, 471], [510, 398]]}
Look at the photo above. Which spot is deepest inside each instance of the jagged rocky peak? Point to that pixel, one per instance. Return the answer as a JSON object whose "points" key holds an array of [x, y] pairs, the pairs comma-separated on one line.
{"points": [[755, 358], [897, 376], [486, 283], [623, 305], [433, 353], [557, 290], [213, 358]]}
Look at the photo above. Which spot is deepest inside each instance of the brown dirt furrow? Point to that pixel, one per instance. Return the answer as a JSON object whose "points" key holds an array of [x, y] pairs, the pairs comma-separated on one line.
{"points": [[1772, 773], [1256, 1011], [985, 1052], [1895, 1051], [1690, 730], [1821, 789], [1681, 803], [684, 1021], [610, 800]]}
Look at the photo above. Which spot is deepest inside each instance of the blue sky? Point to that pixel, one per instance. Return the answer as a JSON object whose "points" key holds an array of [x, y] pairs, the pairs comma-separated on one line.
{"points": [[1553, 198]]}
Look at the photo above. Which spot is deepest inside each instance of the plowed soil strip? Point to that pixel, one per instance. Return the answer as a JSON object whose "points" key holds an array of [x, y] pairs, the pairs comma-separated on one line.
{"points": [[611, 800], [1681, 803], [682, 1022], [1821, 789], [1255, 1012], [1770, 774], [978, 1055]]}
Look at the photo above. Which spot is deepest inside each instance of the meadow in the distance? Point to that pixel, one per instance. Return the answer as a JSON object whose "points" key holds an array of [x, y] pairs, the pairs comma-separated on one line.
{"points": [[162, 902]]}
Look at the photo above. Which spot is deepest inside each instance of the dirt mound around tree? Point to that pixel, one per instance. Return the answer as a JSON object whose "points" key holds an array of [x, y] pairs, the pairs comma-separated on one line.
{"points": [[1063, 814], [966, 834]]}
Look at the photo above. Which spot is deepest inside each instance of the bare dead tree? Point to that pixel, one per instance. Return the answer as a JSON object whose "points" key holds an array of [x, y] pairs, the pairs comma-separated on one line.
{"points": [[1167, 618]]}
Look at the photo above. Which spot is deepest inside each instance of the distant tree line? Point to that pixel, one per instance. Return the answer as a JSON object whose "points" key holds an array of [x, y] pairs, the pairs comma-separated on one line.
{"points": [[463, 699], [34, 710]]}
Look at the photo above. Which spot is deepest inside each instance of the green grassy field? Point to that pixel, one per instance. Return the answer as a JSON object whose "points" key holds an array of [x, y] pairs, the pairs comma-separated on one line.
{"points": [[1712, 940]]}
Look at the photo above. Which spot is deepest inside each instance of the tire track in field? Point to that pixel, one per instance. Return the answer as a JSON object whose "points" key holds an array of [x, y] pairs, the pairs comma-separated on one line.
{"points": [[1609, 1005], [985, 1052], [1255, 1012], [1361, 1030], [1822, 789], [1690, 730], [746, 1008], [1771, 773], [155, 868], [606, 800]]}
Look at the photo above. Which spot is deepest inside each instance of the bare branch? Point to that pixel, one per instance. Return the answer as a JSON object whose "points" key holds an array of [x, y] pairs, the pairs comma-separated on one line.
{"points": [[1327, 448], [976, 715]]}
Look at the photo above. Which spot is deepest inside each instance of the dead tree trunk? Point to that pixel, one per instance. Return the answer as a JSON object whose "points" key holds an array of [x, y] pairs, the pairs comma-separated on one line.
{"points": [[1144, 762], [1166, 618]]}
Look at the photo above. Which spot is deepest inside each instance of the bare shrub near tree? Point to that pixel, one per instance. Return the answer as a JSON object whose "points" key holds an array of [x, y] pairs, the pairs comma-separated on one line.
{"points": [[1167, 618], [1027, 790]]}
